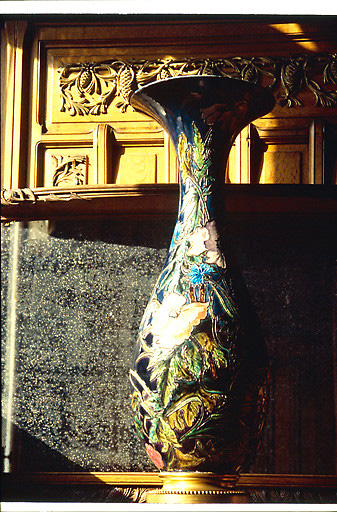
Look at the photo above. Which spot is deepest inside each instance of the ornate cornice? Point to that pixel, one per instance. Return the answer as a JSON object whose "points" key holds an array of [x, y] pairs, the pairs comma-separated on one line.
{"points": [[90, 87]]}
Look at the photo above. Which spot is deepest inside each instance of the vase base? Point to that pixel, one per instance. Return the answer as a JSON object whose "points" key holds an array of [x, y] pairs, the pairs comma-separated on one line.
{"points": [[197, 488]]}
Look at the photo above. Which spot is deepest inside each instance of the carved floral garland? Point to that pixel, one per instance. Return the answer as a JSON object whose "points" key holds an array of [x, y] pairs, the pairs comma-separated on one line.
{"points": [[90, 87]]}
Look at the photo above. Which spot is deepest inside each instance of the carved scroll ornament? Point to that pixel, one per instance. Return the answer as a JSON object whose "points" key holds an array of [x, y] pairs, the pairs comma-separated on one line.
{"points": [[90, 87], [17, 195]]}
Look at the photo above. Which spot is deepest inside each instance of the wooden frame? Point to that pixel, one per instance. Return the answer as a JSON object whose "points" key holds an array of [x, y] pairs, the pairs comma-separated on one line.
{"points": [[134, 487]]}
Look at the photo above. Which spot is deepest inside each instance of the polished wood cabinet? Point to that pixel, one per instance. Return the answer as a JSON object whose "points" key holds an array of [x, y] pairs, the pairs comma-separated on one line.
{"points": [[67, 121]]}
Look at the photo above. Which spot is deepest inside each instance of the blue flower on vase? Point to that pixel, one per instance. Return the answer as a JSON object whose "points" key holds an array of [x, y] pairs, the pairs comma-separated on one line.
{"points": [[198, 272]]}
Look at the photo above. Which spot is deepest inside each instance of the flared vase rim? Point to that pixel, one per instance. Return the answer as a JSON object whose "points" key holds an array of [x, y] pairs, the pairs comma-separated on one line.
{"points": [[225, 79]]}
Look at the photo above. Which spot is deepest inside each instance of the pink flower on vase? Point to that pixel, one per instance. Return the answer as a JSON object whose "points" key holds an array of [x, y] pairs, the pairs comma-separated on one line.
{"points": [[218, 112], [154, 456], [227, 116], [214, 255], [206, 239], [197, 240]]}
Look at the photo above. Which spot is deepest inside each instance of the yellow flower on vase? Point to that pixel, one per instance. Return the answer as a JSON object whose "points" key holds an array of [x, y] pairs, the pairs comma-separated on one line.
{"points": [[185, 155]]}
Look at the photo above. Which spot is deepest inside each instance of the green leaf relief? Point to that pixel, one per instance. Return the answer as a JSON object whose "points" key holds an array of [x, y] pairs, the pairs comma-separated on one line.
{"points": [[184, 155], [139, 427], [222, 292], [192, 359], [167, 436], [198, 147], [153, 436], [172, 375], [161, 432], [219, 357]]}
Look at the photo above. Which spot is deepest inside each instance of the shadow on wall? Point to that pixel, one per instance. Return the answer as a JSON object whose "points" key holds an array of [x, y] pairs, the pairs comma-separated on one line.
{"points": [[28, 453], [31, 455]]}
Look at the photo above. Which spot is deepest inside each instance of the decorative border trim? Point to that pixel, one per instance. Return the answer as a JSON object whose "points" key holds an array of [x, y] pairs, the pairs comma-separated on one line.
{"points": [[17, 196], [90, 87]]}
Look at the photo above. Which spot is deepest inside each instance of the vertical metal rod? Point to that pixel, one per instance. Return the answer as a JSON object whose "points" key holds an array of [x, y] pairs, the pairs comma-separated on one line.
{"points": [[9, 388]]}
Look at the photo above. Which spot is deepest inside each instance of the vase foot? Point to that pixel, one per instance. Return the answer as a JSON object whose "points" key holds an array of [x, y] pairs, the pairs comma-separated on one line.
{"points": [[197, 488]]}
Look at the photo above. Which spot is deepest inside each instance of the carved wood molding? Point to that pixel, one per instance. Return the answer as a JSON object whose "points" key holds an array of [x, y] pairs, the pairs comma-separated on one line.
{"points": [[17, 196], [153, 479], [90, 87], [158, 199]]}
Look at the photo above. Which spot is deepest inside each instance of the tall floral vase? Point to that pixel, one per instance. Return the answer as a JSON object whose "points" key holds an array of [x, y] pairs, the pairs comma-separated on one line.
{"points": [[200, 377]]}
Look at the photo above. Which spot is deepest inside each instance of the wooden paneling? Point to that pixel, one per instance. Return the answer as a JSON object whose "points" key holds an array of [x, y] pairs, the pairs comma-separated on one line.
{"points": [[283, 166], [13, 109], [69, 85]]}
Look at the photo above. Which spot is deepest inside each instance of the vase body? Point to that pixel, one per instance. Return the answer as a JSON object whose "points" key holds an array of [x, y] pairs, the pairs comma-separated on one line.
{"points": [[199, 380]]}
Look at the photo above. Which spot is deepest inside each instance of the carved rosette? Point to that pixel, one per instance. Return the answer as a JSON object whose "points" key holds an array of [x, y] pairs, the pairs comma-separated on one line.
{"points": [[89, 88]]}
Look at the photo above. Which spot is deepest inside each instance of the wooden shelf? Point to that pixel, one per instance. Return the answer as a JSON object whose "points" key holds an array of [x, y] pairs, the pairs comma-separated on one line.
{"points": [[51, 203], [152, 479]]}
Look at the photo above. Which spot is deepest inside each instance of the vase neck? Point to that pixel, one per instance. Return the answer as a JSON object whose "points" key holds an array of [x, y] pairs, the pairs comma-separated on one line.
{"points": [[202, 155]]}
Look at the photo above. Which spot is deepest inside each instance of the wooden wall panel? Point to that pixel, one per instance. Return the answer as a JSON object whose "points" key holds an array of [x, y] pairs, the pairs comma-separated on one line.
{"points": [[283, 165], [71, 86], [13, 109]]}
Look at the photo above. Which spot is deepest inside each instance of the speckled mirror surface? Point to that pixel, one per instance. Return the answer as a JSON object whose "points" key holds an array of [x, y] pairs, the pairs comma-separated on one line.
{"points": [[73, 294], [79, 293]]}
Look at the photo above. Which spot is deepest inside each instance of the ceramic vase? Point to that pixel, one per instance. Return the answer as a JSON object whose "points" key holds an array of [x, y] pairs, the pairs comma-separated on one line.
{"points": [[200, 378]]}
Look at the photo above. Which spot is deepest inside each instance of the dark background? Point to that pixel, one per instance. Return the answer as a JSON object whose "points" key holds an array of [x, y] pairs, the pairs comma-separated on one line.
{"points": [[81, 290]]}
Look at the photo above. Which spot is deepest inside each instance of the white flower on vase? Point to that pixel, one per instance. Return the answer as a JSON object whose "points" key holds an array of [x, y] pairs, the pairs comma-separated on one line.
{"points": [[169, 308], [206, 239], [174, 320]]}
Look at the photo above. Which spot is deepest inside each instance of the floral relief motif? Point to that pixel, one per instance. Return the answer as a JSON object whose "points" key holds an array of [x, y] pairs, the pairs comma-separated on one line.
{"points": [[89, 88], [198, 272], [174, 320], [154, 456], [228, 118]]}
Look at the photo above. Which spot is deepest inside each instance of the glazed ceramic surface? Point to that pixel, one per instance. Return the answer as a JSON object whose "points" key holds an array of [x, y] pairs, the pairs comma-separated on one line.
{"points": [[199, 381]]}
